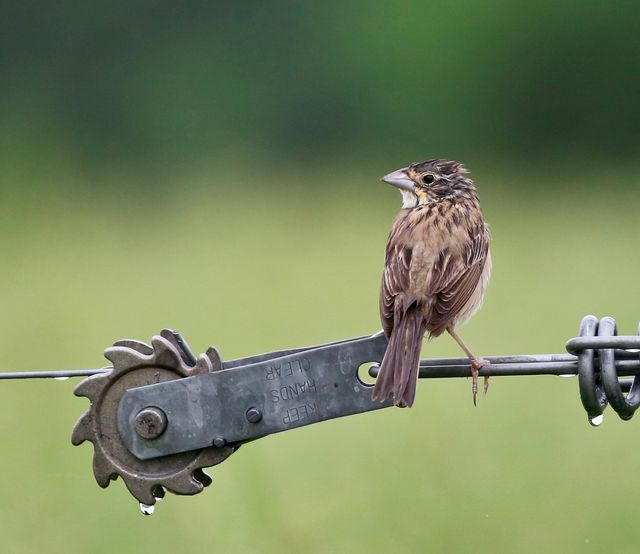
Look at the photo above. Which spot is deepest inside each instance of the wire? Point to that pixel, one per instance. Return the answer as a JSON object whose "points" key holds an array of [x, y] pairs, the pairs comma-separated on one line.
{"points": [[599, 357], [61, 374]]}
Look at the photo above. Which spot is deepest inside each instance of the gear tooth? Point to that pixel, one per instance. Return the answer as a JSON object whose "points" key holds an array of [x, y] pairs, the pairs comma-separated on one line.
{"points": [[216, 359], [82, 429], [123, 357], [168, 334], [102, 470], [184, 483], [136, 345], [166, 354], [141, 491], [203, 365], [90, 387], [102, 480]]}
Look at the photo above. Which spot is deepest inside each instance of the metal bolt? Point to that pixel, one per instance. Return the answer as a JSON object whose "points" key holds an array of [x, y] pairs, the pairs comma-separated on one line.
{"points": [[150, 422], [219, 442], [254, 415]]}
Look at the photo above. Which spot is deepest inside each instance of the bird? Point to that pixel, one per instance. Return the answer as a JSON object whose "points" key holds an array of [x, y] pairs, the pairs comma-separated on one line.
{"points": [[436, 271]]}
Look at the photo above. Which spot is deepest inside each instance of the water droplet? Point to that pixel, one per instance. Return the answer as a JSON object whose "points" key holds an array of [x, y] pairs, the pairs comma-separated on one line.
{"points": [[63, 378], [147, 510], [597, 420], [568, 375]]}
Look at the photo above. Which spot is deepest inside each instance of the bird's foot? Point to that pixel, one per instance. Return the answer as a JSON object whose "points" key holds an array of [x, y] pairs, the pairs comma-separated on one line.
{"points": [[476, 365], [474, 383]]}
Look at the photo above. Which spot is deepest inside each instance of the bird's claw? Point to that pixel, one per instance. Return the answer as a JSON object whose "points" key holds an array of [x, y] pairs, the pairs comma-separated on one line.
{"points": [[476, 365], [474, 383]]}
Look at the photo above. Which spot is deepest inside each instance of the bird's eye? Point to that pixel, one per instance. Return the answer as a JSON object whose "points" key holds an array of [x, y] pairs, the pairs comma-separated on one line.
{"points": [[428, 179]]}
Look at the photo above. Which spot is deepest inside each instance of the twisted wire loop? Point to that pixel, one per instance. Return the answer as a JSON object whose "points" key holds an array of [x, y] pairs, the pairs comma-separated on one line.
{"points": [[598, 348]]}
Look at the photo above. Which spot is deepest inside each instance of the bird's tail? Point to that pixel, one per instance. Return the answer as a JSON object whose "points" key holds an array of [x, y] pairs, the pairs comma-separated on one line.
{"points": [[399, 368]]}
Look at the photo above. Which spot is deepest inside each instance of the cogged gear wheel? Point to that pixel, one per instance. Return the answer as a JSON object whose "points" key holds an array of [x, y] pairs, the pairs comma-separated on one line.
{"points": [[136, 364]]}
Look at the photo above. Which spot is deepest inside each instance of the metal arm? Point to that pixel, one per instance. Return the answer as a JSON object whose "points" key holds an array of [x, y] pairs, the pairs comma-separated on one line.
{"points": [[248, 401]]}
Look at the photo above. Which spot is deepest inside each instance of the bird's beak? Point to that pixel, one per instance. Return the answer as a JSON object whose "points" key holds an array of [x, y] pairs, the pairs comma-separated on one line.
{"points": [[399, 179]]}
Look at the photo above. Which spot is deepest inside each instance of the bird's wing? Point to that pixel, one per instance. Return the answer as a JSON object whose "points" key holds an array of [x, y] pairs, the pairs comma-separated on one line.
{"points": [[454, 279], [395, 279]]}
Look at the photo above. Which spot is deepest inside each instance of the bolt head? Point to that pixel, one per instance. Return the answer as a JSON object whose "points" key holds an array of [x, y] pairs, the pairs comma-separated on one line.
{"points": [[219, 442], [254, 415], [150, 423]]}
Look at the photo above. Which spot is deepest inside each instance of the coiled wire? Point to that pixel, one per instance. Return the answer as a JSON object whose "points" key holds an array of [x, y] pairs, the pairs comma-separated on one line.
{"points": [[599, 350]]}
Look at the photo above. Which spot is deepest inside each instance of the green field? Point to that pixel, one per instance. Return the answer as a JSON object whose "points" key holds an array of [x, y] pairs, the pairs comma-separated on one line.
{"points": [[252, 269]]}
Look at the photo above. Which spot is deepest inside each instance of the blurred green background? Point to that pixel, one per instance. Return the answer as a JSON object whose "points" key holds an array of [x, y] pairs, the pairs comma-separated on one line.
{"points": [[213, 167]]}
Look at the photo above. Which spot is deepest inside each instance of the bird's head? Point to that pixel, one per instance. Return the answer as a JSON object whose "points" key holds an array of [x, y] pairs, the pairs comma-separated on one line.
{"points": [[432, 180]]}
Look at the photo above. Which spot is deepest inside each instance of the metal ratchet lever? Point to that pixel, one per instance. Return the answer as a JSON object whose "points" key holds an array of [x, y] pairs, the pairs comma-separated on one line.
{"points": [[250, 398]]}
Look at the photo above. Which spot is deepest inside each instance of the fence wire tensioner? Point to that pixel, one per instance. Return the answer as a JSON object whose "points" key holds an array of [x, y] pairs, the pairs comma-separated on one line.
{"points": [[160, 415]]}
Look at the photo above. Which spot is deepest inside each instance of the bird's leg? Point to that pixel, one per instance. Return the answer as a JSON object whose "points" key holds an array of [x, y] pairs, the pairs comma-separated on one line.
{"points": [[476, 365]]}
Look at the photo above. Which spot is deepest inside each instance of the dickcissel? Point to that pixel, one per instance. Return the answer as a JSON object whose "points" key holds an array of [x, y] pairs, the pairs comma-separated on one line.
{"points": [[437, 267]]}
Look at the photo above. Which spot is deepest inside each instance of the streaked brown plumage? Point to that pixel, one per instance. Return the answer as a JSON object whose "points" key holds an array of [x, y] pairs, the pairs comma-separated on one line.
{"points": [[437, 267]]}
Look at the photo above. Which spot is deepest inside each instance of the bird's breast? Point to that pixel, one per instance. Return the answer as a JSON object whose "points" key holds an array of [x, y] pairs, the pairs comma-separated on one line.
{"points": [[432, 229]]}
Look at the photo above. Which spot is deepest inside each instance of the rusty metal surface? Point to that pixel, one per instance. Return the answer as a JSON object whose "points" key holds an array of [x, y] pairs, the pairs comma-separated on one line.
{"points": [[136, 364]]}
